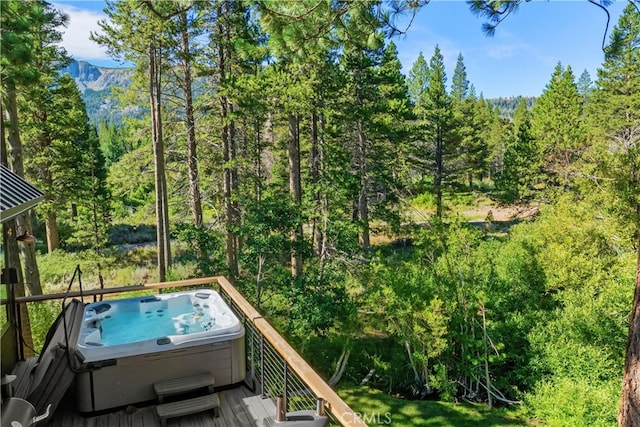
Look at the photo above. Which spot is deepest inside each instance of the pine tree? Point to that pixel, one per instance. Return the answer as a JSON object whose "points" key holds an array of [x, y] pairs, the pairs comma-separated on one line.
{"points": [[557, 123], [614, 114], [376, 106], [360, 96], [585, 86], [60, 138], [439, 126], [393, 111], [418, 82], [30, 57], [137, 32], [521, 159], [469, 118], [459, 82]]}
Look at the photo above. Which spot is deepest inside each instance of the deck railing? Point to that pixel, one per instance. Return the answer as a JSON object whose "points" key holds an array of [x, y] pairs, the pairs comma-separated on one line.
{"points": [[274, 367]]}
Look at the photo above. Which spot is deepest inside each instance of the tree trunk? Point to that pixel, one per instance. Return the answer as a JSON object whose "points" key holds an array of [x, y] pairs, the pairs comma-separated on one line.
{"points": [[363, 197], [195, 202], [228, 151], [439, 171], [12, 254], [53, 237], [230, 174], [316, 160], [323, 209], [162, 213], [487, 377], [629, 409], [31, 272], [295, 189]]}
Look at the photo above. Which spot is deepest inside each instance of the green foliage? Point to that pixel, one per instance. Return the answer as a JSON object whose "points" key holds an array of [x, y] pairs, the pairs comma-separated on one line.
{"points": [[575, 402], [557, 124], [29, 42], [506, 107], [614, 117], [206, 247], [41, 317], [521, 175], [316, 307], [130, 195]]}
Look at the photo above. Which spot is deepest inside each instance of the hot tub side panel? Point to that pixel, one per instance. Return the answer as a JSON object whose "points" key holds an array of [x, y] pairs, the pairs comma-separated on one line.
{"points": [[130, 380]]}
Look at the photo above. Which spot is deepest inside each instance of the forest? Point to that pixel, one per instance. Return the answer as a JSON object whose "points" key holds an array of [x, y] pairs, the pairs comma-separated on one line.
{"points": [[280, 145]]}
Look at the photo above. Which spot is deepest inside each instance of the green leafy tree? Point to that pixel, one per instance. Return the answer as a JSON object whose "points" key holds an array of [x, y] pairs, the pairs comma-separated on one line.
{"points": [[114, 142]]}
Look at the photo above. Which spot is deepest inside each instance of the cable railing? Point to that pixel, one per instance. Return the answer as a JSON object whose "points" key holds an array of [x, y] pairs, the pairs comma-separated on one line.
{"points": [[275, 369], [279, 370]]}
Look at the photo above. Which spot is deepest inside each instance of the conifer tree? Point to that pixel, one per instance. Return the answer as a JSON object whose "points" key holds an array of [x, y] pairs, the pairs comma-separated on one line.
{"points": [[459, 82], [418, 82], [439, 127], [30, 57], [390, 128], [468, 115], [137, 32], [614, 116], [62, 153], [521, 160], [557, 123], [585, 85]]}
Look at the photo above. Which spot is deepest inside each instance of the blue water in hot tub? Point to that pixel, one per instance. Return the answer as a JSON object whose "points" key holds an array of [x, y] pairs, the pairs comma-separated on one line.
{"points": [[125, 327]]}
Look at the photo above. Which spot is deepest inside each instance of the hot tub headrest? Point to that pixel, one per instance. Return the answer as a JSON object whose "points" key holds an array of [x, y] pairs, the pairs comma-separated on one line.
{"points": [[101, 308]]}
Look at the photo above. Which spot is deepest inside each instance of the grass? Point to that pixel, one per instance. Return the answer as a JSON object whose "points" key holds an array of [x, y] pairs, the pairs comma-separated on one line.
{"points": [[378, 408]]}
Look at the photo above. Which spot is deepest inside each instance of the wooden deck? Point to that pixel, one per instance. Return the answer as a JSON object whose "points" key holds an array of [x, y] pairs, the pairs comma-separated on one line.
{"points": [[239, 407]]}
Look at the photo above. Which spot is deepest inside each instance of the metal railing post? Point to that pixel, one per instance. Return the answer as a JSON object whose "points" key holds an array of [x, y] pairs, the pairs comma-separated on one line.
{"points": [[285, 385], [320, 407], [262, 388]]}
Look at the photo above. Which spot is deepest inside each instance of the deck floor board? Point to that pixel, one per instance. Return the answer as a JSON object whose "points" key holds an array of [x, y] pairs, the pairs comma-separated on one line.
{"points": [[239, 407]]}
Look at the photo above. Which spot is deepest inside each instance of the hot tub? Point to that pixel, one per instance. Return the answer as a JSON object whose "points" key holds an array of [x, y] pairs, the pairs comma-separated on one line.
{"points": [[129, 344]]}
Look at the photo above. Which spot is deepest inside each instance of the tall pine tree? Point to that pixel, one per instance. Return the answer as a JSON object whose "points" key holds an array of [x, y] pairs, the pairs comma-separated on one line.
{"points": [[614, 114], [439, 126], [557, 123]]}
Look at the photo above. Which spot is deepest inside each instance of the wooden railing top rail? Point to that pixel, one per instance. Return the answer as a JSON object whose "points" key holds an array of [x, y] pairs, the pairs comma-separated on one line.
{"points": [[340, 410], [116, 290]]}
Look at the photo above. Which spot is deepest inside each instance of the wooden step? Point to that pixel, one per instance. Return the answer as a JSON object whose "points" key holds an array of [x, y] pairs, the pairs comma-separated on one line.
{"points": [[183, 385], [188, 407]]}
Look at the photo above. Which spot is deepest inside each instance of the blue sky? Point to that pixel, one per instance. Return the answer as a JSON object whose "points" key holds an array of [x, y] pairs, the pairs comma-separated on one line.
{"points": [[518, 60]]}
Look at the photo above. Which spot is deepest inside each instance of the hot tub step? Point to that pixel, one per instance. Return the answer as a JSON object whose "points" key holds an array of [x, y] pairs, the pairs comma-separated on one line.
{"points": [[183, 385], [188, 407]]}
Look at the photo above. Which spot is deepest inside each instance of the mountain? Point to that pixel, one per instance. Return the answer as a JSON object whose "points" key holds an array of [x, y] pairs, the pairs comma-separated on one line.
{"points": [[96, 84], [89, 76]]}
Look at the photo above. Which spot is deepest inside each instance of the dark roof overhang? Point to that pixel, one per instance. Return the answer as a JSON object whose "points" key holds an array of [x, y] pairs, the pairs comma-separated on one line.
{"points": [[16, 195]]}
